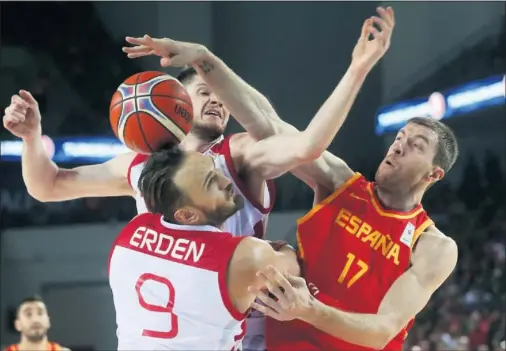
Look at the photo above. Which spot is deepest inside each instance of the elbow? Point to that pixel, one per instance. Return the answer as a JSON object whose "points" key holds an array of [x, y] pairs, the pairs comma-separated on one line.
{"points": [[384, 337], [385, 333], [310, 150], [39, 194]]}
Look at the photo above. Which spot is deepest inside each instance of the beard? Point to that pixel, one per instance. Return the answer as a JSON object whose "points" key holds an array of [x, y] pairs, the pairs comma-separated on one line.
{"points": [[207, 131], [219, 216], [35, 337]]}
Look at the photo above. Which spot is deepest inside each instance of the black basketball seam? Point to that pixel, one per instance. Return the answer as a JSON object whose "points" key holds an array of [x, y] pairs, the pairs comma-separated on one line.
{"points": [[138, 117], [168, 130], [152, 95]]}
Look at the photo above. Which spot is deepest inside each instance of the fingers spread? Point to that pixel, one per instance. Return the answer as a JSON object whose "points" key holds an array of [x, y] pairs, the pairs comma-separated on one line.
{"points": [[265, 299], [267, 311]]}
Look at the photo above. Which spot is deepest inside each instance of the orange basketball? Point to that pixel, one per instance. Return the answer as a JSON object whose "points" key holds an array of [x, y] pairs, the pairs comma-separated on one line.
{"points": [[150, 110]]}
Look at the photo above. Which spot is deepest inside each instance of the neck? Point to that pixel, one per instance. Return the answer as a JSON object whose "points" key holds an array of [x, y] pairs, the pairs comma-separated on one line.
{"points": [[33, 346], [192, 142], [399, 201]]}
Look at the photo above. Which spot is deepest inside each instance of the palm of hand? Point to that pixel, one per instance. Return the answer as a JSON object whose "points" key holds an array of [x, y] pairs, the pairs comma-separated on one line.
{"points": [[368, 52], [297, 301], [171, 52]]}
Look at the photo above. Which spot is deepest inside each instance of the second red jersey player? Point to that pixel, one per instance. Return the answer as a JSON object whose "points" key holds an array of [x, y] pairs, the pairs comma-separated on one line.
{"points": [[352, 250]]}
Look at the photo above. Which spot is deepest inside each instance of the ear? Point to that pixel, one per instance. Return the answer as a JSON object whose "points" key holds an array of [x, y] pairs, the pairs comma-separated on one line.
{"points": [[188, 215], [17, 325], [436, 174]]}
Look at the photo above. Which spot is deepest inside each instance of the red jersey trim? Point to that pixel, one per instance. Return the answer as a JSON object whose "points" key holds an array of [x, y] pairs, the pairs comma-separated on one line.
{"points": [[137, 160], [391, 213], [223, 285], [322, 204], [240, 184], [419, 231]]}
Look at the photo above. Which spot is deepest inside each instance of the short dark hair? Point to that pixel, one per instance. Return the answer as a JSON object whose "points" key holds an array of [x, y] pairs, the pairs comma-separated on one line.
{"points": [[156, 182], [186, 75], [447, 148], [28, 299]]}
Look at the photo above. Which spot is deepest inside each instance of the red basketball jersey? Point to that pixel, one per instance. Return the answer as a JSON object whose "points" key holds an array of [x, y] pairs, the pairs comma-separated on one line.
{"points": [[51, 346], [352, 249]]}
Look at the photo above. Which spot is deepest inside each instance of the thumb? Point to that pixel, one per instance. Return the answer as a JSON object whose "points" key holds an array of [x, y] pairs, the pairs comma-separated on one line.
{"points": [[166, 62], [28, 97]]}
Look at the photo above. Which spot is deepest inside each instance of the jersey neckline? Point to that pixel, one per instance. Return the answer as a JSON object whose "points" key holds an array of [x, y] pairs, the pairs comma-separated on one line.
{"points": [[195, 228]]}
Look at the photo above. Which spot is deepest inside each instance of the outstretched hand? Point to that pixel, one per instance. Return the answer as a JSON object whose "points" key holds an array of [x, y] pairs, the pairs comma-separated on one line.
{"points": [[291, 297], [373, 43], [171, 52]]}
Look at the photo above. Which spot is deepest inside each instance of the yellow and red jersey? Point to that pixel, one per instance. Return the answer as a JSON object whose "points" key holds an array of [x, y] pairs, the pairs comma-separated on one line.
{"points": [[51, 346], [352, 250]]}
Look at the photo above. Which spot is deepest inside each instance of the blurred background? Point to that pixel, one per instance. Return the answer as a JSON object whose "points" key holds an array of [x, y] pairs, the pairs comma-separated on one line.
{"points": [[446, 60]]}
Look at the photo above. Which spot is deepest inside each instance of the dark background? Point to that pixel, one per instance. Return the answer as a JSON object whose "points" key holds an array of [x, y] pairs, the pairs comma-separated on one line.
{"points": [[69, 56]]}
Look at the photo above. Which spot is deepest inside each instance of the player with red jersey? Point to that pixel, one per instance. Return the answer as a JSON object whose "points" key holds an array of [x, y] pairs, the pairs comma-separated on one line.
{"points": [[371, 256], [178, 281], [32, 321]]}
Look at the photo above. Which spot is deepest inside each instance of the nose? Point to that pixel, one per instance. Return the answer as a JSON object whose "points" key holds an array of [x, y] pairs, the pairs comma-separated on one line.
{"points": [[397, 148], [214, 101]]}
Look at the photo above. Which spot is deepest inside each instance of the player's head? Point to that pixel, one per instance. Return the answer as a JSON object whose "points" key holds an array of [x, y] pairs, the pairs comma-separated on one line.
{"points": [[32, 320], [421, 154], [186, 188], [210, 117]]}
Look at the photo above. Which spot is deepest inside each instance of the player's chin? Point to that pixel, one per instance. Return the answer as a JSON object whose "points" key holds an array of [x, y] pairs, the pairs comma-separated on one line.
{"points": [[208, 128], [383, 176], [214, 124]]}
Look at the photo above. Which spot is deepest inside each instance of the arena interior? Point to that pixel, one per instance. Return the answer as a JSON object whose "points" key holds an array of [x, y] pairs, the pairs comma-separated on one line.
{"points": [[447, 60]]}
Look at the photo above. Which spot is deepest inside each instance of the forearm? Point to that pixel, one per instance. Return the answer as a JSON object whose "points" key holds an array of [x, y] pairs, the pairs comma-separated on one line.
{"points": [[332, 114], [39, 171], [369, 330], [249, 107]]}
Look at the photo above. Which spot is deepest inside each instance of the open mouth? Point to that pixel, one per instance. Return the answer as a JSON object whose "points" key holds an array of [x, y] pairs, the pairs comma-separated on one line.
{"points": [[389, 163], [213, 114]]}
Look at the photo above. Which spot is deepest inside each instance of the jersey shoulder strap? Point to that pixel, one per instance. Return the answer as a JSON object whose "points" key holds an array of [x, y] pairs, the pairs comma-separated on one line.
{"points": [[357, 180], [133, 177]]}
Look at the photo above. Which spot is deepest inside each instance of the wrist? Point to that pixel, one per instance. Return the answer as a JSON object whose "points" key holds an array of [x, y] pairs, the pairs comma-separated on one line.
{"points": [[203, 55], [32, 137], [313, 312], [360, 71]]}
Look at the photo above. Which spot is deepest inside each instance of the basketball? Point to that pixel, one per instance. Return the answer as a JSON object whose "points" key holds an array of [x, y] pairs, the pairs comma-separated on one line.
{"points": [[150, 110]]}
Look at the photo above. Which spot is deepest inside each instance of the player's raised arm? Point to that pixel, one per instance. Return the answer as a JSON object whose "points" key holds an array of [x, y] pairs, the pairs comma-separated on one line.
{"points": [[44, 180], [248, 106], [281, 153], [433, 260]]}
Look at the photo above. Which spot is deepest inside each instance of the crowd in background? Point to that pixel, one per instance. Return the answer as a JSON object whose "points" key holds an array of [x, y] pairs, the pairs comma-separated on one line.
{"points": [[466, 313]]}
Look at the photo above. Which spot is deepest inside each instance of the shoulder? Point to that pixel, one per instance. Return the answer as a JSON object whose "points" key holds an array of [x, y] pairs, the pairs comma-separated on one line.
{"points": [[238, 145], [435, 255], [254, 250]]}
